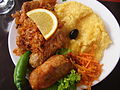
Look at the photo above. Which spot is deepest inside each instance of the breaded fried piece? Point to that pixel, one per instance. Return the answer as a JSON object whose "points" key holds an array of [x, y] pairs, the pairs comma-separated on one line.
{"points": [[27, 6], [29, 36], [51, 2], [49, 72], [49, 48]]}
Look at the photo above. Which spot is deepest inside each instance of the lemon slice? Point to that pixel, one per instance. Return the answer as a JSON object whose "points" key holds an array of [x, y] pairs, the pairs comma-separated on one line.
{"points": [[45, 20]]}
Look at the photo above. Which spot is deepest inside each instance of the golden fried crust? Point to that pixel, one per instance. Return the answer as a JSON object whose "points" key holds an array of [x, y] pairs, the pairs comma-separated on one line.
{"points": [[51, 2], [49, 48], [27, 6], [49, 72]]}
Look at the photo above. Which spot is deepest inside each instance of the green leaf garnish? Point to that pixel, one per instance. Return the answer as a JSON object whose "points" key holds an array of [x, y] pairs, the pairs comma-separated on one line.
{"points": [[64, 0], [63, 51], [66, 83]]}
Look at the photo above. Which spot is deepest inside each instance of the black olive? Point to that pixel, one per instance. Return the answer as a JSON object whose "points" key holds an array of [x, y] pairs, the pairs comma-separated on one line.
{"points": [[73, 34]]}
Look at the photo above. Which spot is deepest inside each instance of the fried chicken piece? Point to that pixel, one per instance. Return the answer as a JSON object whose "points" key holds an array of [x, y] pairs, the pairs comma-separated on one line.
{"points": [[27, 6], [50, 71], [51, 2], [29, 36], [49, 48]]}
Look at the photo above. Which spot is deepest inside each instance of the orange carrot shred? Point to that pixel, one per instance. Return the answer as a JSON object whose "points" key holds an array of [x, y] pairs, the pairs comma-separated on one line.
{"points": [[88, 67]]}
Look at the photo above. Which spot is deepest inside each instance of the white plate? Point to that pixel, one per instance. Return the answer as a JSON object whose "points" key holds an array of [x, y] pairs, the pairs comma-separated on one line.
{"points": [[111, 55]]}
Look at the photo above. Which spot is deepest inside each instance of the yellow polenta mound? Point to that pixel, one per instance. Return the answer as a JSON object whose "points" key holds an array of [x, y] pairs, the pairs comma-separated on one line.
{"points": [[75, 15]]}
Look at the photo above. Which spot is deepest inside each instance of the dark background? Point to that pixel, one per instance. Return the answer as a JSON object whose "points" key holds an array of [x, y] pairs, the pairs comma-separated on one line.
{"points": [[112, 82]]}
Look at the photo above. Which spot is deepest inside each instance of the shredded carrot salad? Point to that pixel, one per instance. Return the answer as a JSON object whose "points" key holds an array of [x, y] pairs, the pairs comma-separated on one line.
{"points": [[88, 67]]}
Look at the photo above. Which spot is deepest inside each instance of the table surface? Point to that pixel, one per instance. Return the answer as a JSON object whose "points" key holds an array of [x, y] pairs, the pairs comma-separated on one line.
{"points": [[7, 66]]}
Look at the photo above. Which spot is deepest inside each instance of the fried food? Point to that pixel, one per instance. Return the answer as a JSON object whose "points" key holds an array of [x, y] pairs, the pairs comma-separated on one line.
{"points": [[48, 49], [51, 2], [50, 71], [90, 35], [31, 39], [27, 6]]}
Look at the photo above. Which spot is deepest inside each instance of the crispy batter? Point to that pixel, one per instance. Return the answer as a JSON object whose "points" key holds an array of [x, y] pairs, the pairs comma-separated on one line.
{"points": [[30, 37], [48, 4], [49, 72], [49, 48], [27, 6]]}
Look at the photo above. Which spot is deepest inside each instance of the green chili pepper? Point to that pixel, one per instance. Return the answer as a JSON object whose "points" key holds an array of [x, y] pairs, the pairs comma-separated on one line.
{"points": [[20, 70]]}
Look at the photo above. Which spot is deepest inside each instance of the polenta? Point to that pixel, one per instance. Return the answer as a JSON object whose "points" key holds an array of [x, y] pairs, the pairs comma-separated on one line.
{"points": [[91, 28]]}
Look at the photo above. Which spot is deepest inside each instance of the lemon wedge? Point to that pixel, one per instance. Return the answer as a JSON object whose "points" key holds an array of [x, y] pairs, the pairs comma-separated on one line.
{"points": [[45, 20]]}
